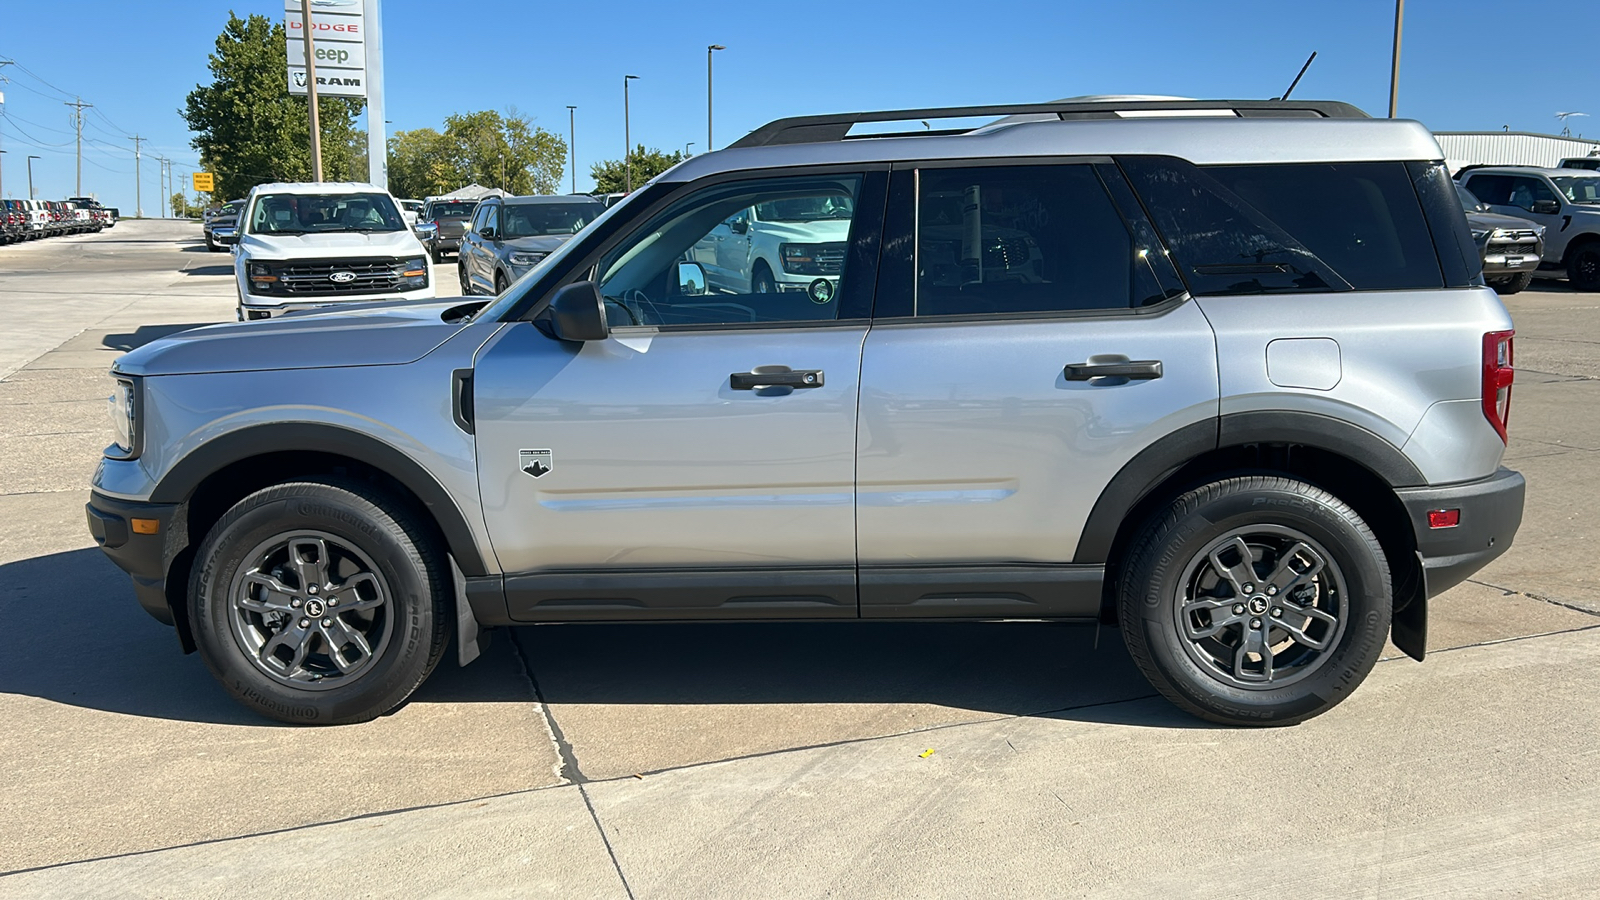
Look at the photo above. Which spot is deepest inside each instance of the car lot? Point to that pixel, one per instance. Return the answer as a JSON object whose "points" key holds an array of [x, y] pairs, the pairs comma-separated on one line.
{"points": [[774, 759]]}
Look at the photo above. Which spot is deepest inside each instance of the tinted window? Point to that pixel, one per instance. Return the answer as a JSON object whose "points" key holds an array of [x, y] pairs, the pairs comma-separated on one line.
{"points": [[537, 219], [704, 261], [1495, 189], [1222, 244], [1363, 219], [455, 208], [1526, 191], [1013, 239]]}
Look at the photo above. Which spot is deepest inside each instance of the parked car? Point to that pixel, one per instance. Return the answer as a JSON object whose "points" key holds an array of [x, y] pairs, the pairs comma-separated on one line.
{"points": [[1509, 247], [788, 244], [1580, 162], [1565, 201], [13, 222], [226, 218], [303, 246], [447, 221], [509, 236], [411, 210], [1247, 397]]}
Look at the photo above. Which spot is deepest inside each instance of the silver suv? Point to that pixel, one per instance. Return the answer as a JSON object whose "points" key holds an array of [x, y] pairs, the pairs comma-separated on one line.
{"points": [[1225, 373], [1565, 201]]}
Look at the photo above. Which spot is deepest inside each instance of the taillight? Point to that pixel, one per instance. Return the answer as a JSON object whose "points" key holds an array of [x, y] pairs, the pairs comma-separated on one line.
{"points": [[1497, 377]]}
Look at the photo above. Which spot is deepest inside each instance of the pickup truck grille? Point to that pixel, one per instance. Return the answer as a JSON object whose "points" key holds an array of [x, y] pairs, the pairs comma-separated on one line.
{"points": [[315, 278], [830, 260]]}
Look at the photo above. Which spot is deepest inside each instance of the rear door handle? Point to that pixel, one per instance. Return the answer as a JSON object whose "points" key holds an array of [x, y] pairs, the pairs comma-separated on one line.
{"points": [[775, 376], [1135, 369]]}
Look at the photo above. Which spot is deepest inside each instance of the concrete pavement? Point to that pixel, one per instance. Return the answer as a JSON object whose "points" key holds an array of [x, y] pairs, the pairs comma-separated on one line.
{"points": [[767, 760]]}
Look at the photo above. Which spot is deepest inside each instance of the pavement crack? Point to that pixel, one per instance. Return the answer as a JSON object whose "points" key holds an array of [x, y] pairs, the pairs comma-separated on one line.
{"points": [[1540, 597], [569, 772], [605, 839]]}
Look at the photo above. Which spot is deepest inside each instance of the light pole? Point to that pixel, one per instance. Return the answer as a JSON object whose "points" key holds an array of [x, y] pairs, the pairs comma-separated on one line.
{"points": [[627, 132], [31, 194], [1394, 68], [572, 144], [710, 49], [2, 180], [311, 91], [686, 149]]}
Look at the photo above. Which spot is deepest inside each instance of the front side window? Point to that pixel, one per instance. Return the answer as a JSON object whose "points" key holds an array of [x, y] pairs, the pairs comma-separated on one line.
{"points": [[1025, 239], [324, 214], [706, 261], [490, 225], [1525, 192]]}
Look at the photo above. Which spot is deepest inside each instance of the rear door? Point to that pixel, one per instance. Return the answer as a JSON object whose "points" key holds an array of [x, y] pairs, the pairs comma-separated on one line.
{"points": [[1029, 339]]}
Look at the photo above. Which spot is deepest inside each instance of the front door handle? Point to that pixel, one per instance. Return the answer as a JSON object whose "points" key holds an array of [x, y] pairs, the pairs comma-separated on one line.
{"points": [[775, 376], [1135, 369]]}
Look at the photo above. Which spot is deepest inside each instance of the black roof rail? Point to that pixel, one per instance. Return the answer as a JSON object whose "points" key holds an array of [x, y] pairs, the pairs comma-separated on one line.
{"points": [[824, 129]]}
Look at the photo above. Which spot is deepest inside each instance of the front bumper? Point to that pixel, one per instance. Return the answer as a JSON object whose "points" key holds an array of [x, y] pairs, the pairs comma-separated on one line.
{"points": [[1490, 513], [146, 557], [253, 309], [444, 244]]}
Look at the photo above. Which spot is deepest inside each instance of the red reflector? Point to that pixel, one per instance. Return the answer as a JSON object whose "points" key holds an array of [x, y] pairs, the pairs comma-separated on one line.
{"points": [[1444, 518]]}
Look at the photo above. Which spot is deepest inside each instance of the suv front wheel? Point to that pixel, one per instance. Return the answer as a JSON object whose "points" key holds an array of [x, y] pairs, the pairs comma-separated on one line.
{"points": [[1256, 601], [319, 602]]}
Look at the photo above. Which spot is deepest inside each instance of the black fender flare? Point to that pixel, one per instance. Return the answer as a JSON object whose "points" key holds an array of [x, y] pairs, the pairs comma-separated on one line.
{"points": [[1155, 463], [181, 481]]}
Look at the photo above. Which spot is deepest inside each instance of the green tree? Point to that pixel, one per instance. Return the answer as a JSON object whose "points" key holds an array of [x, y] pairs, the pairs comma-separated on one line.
{"points": [[611, 178], [182, 208], [505, 151], [250, 130]]}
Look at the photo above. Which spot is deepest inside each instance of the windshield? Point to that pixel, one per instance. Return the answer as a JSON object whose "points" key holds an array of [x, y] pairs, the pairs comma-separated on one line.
{"points": [[460, 209], [806, 209], [1470, 203], [1578, 188], [231, 209], [324, 214], [537, 219]]}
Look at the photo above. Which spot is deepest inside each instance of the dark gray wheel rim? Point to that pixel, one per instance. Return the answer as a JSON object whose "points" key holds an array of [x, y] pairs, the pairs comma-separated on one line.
{"points": [[1261, 607], [310, 611], [1588, 266]]}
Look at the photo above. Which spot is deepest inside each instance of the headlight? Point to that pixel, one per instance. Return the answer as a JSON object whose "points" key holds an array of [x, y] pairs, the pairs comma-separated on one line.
{"points": [[124, 411], [413, 273], [1479, 234], [526, 258]]}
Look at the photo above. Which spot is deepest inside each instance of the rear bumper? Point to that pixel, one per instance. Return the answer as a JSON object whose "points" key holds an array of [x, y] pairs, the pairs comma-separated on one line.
{"points": [[145, 557], [1490, 510]]}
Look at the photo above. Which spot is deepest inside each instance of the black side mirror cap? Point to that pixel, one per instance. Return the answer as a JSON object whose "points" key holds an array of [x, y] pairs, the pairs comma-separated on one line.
{"points": [[578, 313], [1546, 207], [739, 226]]}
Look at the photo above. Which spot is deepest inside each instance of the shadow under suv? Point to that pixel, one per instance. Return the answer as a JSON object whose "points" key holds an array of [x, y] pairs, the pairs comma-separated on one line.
{"points": [[1222, 372]]}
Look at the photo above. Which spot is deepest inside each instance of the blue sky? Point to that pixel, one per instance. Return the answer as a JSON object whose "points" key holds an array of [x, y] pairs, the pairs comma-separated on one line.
{"points": [[136, 60]]}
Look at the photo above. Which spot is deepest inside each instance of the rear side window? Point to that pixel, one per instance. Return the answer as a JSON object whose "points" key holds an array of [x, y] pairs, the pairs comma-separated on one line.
{"points": [[1024, 239], [1290, 228]]}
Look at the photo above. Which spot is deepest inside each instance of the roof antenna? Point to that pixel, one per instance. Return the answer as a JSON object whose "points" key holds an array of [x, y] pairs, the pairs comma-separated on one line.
{"points": [[1298, 77]]}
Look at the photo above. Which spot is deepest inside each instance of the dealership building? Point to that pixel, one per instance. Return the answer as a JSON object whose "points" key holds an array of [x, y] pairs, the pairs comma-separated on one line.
{"points": [[1511, 148]]}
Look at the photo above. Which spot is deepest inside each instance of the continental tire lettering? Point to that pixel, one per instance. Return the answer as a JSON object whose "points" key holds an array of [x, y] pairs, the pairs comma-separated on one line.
{"points": [[277, 706], [339, 515]]}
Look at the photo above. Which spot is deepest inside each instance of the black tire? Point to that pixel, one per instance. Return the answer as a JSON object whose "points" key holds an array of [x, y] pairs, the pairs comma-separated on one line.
{"points": [[437, 256], [500, 283], [1191, 540], [409, 591], [1583, 267], [466, 283], [761, 280], [1512, 285]]}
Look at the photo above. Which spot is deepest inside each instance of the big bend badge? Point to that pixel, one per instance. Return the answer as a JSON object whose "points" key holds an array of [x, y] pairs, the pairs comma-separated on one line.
{"points": [[535, 462]]}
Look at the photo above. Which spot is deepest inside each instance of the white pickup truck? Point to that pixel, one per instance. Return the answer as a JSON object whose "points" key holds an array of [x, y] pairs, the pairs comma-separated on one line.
{"points": [[302, 246]]}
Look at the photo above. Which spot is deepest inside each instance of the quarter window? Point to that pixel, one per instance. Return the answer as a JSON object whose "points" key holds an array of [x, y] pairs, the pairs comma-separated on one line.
{"points": [[769, 251], [1025, 239]]}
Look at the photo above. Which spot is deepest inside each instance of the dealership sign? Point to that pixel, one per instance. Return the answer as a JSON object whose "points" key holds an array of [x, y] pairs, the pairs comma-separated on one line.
{"points": [[339, 47]]}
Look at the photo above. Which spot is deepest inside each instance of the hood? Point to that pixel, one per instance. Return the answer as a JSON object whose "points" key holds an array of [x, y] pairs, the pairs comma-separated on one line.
{"points": [[313, 246], [538, 243], [818, 231], [387, 334], [1495, 220]]}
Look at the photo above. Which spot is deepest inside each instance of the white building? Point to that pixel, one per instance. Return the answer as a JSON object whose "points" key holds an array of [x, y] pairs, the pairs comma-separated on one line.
{"points": [[1510, 148]]}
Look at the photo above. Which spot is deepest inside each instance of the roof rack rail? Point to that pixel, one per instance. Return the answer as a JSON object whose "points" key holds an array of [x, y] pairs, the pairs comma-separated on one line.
{"points": [[824, 129]]}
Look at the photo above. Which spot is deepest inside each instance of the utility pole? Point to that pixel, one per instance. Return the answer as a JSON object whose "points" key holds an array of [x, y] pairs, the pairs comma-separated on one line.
{"points": [[161, 187], [3, 80], [1394, 69], [627, 133], [572, 144], [311, 91], [710, 49], [138, 201], [77, 118]]}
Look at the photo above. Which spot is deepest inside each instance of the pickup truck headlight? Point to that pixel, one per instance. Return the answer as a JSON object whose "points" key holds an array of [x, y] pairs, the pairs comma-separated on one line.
{"points": [[262, 281], [413, 273], [124, 404], [527, 257]]}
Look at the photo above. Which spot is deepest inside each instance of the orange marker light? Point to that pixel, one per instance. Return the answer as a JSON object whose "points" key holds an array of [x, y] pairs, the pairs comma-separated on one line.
{"points": [[146, 526]]}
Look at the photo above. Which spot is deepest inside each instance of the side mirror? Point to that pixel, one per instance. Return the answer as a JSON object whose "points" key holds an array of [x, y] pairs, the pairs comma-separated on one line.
{"points": [[691, 279], [488, 235], [578, 313], [739, 226], [1546, 207], [225, 236]]}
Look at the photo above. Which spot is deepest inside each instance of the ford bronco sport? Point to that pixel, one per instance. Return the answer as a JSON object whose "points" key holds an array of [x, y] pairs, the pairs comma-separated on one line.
{"points": [[1229, 378]]}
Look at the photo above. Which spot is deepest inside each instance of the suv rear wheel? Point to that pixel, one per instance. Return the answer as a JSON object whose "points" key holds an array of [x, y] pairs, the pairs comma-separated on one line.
{"points": [[1256, 601], [1583, 267], [319, 602]]}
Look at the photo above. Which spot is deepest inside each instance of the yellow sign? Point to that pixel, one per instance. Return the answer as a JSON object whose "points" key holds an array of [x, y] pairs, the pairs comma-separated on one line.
{"points": [[203, 182]]}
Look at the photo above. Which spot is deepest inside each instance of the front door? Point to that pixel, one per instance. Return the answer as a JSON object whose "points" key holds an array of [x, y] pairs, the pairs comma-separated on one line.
{"points": [[699, 462], [1029, 347]]}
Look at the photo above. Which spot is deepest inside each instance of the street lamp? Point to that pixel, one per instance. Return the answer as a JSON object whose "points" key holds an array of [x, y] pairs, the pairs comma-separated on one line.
{"points": [[627, 133], [710, 49], [31, 194], [572, 144], [686, 147]]}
